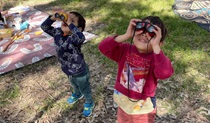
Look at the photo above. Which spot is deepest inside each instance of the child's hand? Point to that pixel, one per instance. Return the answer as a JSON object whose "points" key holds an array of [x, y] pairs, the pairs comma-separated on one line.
{"points": [[53, 17], [155, 41], [72, 19], [130, 31], [69, 20], [131, 28]]}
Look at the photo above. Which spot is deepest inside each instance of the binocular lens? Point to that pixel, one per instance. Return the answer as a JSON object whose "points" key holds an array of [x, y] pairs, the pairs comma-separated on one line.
{"points": [[150, 28], [62, 17], [57, 15], [139, 25]]}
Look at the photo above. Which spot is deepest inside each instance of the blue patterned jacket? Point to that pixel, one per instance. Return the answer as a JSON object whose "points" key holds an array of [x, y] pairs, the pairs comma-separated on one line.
{"points": [[68, 47]]}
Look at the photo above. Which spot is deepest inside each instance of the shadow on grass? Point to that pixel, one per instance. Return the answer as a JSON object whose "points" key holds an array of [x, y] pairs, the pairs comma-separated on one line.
{"points": [[182, 91]]}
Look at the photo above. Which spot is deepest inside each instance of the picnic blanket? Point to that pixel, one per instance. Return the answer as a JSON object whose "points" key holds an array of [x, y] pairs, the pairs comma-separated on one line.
{"points": [[194, 10], [33, 47]]}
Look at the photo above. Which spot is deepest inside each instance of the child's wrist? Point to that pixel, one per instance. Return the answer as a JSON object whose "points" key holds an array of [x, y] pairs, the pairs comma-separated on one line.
{"points": [[156, 49], [120, 38], [126, 36]]}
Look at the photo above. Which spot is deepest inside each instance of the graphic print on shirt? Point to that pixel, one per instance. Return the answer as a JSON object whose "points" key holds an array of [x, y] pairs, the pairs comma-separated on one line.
{"points": [[138, 69]]}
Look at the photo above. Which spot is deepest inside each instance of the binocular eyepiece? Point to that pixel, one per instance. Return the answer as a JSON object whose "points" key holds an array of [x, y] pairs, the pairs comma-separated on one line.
{"points": [[62, 16]]}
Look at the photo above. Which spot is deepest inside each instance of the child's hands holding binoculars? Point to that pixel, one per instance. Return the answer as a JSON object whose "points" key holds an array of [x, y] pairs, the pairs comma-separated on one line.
{"points": [[66, 18]]}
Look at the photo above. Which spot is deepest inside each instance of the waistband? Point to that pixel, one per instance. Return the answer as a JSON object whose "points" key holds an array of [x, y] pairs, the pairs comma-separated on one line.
{"points": [[83, 73]]}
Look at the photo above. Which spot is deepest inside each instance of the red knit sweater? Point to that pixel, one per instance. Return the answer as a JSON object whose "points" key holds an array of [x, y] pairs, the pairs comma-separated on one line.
{"points": [[144, 69]]}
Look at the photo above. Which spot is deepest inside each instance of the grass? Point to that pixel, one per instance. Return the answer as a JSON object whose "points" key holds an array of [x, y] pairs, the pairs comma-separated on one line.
{"points": [[8, 94], [187, 45]]}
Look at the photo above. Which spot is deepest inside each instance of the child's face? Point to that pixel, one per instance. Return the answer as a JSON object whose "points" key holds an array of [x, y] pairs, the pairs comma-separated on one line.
{"points": [[141, 41], [71, 19]]}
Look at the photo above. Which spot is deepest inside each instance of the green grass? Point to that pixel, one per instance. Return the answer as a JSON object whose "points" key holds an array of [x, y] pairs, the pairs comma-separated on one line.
{"points": [[8, 94], [187, 45]]}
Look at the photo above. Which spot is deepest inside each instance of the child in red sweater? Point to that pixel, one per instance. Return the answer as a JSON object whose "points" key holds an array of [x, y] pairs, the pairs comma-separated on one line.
{"points": [[140, 65]]}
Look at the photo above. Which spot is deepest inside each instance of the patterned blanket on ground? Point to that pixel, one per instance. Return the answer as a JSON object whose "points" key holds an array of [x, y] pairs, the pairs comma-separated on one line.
{"points": [[32, 47], [194, 10]]}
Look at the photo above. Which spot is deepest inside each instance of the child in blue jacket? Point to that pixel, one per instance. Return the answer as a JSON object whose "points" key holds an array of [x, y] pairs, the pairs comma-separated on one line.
{"points": [[68, 40]]}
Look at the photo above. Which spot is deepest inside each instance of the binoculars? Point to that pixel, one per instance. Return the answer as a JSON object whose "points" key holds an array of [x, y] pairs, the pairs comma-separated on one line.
{"points": [[62, 16], [148, 26], [145, 26]]}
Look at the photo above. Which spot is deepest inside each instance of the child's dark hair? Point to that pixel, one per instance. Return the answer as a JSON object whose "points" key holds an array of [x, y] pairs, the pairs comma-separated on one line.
{"points": [[81, 20], [157, 21]]}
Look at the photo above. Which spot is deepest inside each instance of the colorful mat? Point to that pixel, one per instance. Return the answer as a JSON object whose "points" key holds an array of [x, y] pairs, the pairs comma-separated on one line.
{"points": [[32, 47], [194, 10]]}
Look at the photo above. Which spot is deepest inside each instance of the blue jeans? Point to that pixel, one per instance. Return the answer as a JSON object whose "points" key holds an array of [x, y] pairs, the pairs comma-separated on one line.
{"points": [[81, 85]]}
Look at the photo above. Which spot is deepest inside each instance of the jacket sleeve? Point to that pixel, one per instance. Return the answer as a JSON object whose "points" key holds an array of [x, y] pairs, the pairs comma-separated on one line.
{"points": [[163, 67], [47, 27], [111, 49], [77, 38]]}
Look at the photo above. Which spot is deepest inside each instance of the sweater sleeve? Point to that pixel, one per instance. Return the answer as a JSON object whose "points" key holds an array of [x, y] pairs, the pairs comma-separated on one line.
{"points": [[111, 49], [163, 67], [77, 38], [47, 27]]}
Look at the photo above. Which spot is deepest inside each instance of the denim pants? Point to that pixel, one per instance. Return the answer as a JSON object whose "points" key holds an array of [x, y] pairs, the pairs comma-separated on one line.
{"points": [[81, 85]]}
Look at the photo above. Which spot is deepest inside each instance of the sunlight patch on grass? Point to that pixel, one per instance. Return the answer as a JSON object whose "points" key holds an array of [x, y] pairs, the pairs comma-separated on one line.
{"points": [[193, 60], [191, 71], [164, 107], [133, 12], [35, 2], [159, 8], [103, 12], [198, 77], [121, 1], [77, 5], [190, 56]]}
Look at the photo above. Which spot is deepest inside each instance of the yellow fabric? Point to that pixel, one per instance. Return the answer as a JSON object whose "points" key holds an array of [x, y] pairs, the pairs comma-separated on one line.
{"points": [[133, 107]]}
